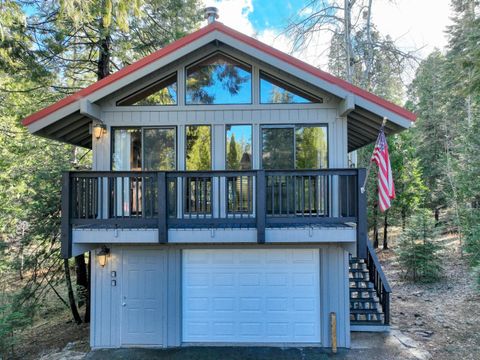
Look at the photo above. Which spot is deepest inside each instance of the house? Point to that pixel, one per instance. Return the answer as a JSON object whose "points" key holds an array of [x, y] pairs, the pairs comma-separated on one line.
{"points": [[221, 208]]}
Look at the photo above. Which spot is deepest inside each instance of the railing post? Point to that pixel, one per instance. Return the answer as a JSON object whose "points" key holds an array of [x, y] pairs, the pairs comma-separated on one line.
{"points": [[260, 210], [386, 308], [66, 228], [162, 207], [361, 216]]}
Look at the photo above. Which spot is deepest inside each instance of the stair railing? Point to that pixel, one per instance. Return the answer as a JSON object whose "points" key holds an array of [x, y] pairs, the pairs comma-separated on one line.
{"points": [[382, 287]]}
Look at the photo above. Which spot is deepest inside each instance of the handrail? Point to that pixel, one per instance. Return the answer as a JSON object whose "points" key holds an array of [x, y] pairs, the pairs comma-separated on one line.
{"points": [[378, 267], [382, 287]]}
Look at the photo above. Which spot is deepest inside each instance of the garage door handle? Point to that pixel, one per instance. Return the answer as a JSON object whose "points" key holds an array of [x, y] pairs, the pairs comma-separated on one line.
{"points": [[124, 304]]}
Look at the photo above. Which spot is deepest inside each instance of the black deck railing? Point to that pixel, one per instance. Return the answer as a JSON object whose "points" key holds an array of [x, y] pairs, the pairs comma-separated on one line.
{"points": [[378, 278], [213, 199]]}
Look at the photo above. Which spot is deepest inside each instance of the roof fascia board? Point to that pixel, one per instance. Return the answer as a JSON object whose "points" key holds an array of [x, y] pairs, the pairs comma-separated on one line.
{"points": [[54, 117], [122, 82], [382, 112]]}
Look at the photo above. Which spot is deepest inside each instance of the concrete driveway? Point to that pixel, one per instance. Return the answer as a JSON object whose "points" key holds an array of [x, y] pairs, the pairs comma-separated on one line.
{"points": [[365, 346]]}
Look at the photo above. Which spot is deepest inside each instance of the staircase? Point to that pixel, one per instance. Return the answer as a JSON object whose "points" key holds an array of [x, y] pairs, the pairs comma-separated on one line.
{"points": [[369, 294]]}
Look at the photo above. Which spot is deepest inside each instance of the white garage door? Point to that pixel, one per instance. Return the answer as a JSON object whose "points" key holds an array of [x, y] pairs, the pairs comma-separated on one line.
{"points": [[260, 296]]}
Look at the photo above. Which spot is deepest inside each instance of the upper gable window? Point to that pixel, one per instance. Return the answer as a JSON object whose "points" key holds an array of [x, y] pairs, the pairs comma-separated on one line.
{"points": [[219, 79], [160, 93], [275, 91]]}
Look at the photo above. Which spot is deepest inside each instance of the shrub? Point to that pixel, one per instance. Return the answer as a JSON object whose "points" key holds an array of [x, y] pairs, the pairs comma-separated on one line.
{"points": [[418, 252]]}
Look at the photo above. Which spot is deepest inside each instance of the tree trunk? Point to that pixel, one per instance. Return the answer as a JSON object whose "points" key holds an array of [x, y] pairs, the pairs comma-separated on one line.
{"points": [[348, 41], [385, 231], [88, 293], [104, 51], [375, 225], [404, 219], [71, 297], [437, 216], [82, 280]]}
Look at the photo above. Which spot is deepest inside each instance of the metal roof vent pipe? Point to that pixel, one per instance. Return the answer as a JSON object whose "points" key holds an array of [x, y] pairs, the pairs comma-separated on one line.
{"points": [[211, 14]]}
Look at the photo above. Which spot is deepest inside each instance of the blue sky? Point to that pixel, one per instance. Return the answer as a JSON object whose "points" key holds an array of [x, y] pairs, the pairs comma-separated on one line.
{"points": [[273, 14]]}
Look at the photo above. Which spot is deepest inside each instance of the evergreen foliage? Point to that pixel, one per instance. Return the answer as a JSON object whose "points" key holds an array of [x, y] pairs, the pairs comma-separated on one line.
{"points": [[418, 252]]}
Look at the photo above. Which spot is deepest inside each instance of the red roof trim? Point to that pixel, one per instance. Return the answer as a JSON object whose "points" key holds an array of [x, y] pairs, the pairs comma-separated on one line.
{"points": [[236, 35]]}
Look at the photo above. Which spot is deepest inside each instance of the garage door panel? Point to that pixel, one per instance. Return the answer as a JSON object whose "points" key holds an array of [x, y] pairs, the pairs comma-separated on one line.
{"points": [[251, 295]]}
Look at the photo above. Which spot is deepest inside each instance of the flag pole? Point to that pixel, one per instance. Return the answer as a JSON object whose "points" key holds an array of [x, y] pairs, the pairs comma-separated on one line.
{"points": [[362, 189]]}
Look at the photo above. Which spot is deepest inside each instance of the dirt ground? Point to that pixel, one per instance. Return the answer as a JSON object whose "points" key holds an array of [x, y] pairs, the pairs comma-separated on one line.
{"points": [[444, 317], [52, 335]]}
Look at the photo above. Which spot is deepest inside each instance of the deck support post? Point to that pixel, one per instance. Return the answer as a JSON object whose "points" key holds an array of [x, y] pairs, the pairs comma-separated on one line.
{"points": [[66, 227], [260, 208], [361, 216], [162, 207]]}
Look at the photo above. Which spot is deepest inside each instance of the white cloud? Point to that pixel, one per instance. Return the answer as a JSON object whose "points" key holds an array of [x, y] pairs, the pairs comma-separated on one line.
{"points": [[412, 24]]}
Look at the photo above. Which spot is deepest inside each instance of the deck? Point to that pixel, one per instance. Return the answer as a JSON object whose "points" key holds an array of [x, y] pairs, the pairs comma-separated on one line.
{"points": [[254, 206]]}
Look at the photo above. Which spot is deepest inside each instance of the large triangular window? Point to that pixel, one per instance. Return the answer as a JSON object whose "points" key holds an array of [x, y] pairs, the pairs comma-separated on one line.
{"points": [[275, 91], [218, 79], [160, 93]]}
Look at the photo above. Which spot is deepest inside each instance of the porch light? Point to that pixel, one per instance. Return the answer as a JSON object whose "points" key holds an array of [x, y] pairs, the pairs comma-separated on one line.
{"points": [[99, 129], [102, 255]]}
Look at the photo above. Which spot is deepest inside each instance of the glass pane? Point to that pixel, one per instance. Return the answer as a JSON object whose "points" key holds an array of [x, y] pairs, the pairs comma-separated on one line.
{"points": [[274, 91], [219, 80], [198, 147], [127, 149], [159, 149], [277, 148], [311, 147], [239, 147], [163, 92]]}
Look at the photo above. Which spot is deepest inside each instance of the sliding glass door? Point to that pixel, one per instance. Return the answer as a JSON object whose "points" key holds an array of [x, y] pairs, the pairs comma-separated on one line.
{"points": [[136, 149], [300, 147]]}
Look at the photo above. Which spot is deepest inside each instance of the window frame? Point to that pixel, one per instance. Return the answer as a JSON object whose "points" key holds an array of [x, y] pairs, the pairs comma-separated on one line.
{"points": [[217, 52], [294, 127]]}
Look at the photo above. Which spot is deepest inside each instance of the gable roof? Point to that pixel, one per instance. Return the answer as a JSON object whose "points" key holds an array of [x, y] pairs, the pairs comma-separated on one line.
{"points": [[337, 86]]}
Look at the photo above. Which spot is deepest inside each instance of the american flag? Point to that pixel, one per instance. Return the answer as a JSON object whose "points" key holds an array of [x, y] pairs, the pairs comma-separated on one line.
{"points": [[386, 188]]}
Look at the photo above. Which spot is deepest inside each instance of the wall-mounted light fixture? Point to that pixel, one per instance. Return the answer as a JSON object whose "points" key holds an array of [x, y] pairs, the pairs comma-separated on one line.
{"points": [[102, 255], [99, 129]]}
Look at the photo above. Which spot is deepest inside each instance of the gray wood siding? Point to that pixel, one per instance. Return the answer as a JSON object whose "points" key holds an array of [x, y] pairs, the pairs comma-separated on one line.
{"points": [[106, 299]]}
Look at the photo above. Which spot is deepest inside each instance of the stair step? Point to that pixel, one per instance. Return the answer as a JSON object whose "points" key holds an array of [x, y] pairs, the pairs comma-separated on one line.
{"points": [[368, 317], [361, 285], [367, 305], [366, 311]]}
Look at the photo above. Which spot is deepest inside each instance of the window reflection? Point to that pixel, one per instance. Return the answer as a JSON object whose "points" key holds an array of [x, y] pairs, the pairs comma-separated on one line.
{"points": [[239, 147], [311, 147], [219, 80], [198, 147], [163, 92], [159, 149], [277, 148], [275, 91]]}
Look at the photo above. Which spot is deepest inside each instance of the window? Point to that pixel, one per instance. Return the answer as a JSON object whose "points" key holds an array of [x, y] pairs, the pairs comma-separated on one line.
{"points": [[219, 79], [294, 147], [159, 149], [127, 149], [198, 150], [163, 92], [239, 147], [275, 91]]}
